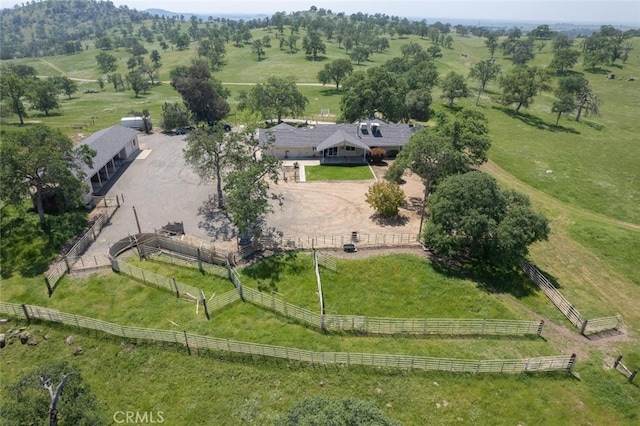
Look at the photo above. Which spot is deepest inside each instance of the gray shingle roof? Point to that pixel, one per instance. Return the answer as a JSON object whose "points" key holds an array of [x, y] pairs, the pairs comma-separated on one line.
{"points": [[388, 134], [340, 137], [107, 143]]}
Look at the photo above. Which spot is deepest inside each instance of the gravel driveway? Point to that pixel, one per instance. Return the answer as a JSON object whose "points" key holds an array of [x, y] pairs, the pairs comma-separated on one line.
{"points": [[164, 189]]}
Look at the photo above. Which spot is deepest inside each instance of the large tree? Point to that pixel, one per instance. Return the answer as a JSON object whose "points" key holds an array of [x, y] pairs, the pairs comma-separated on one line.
{"points": [[202, 94], [563, 59], [313, 45], [484, 71], [491, 42], [584, 98], [335, 72], [452, 147], [48, 394], [43, 95], [418, 104], [278, 97], [106, 63], [247, 189], [373, 91], [473, 219], [40, 158], [137, 82], [174, 116], [453, 86], [66, 85], [13, 89], [213, 153], [522, 84]]}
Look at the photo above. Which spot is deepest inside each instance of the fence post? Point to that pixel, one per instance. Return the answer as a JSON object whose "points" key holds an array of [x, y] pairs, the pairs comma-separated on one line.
{"points": [[175, 285], [66, 262], [584, 326], [572, 362], [186, 342], [632, 376], [540, 327], [48, 284], [26, 313], [615, 364], [204, 303], [117, 201], [199, 260]]}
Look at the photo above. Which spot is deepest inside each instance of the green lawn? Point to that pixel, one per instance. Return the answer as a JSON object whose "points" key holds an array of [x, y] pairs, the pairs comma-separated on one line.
{"points": [[336, 172]]}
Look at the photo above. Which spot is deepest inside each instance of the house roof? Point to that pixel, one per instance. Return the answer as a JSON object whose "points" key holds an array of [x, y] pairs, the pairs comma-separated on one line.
{"points": [[107, 143], [388, 135], [340, 137]]}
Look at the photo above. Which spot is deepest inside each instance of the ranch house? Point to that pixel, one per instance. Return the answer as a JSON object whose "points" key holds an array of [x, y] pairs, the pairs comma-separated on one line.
{"points": [[335, 143], [113, 146]]}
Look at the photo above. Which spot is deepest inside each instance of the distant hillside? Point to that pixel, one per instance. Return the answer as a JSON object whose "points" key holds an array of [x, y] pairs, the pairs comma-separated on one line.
{"points": [[58, 27], [187, 16]]}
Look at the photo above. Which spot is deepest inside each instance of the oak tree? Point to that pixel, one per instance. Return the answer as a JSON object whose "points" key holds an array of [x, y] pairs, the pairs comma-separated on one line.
{"points": [[41, 158]]}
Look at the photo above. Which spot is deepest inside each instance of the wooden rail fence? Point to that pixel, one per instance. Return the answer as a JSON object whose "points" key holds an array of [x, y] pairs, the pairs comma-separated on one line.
{"points": [[337, 241], [619, 366], [64, 266], [586, 326], [151, 244], [562, 363]]}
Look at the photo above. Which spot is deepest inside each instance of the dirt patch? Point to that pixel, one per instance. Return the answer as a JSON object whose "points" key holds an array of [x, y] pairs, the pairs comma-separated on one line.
{"points": [[339, 208]]}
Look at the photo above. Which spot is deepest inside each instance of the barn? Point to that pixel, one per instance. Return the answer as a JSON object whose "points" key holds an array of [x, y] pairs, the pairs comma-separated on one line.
{"points": [[114, 146]]}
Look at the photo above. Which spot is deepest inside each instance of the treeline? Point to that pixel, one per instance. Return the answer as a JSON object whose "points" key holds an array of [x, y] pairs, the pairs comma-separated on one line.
{"points": [[59, 27], [49, 28]]}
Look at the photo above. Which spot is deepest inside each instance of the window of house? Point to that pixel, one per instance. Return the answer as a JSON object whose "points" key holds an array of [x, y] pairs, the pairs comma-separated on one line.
{"points": [[350, 148]]}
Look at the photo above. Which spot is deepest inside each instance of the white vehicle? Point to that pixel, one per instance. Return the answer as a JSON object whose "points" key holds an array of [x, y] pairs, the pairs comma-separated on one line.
{"points": [[137, 123]]}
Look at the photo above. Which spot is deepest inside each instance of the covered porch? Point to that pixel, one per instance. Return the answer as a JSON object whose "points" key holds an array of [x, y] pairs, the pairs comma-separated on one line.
{"points": [[341, 147]]}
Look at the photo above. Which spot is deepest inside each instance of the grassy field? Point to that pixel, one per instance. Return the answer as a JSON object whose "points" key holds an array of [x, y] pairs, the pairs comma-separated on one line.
{"points": [[167, 379], [338, 172], [583, 176]]}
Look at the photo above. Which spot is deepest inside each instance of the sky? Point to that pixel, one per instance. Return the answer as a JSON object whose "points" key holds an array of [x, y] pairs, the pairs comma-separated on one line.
{"points": [[543, 11]]}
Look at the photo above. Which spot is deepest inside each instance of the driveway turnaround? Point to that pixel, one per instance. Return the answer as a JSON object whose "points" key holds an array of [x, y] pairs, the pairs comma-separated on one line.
{"points": [[159, 187]]}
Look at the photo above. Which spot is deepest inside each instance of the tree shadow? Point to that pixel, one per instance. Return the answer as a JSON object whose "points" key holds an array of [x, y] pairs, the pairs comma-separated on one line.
{"points": [[534, 121], [216, 222], [331, 92], [399, 220], [454, 108], [318, 58], [415, 204], [597, 70], [26, 247], [511, 281], [272, 268], [596, 126]]}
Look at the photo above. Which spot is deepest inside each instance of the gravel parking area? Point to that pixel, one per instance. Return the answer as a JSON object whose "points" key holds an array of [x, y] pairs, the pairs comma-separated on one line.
{"points": [[163, 189]]}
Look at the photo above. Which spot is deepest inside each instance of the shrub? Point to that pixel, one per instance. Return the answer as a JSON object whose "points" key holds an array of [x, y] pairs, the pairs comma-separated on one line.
{"points": [[385, 198]]}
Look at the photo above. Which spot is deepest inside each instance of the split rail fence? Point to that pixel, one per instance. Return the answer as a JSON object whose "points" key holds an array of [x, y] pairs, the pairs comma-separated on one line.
{"points": [[338, 241], [108, 206], [619, 366], [152, 244], [561, 363], [586, 326]]}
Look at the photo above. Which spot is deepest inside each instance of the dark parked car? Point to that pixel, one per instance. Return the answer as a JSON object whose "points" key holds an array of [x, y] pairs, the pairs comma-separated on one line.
{"points": [[227, 126], [184, 130]]}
